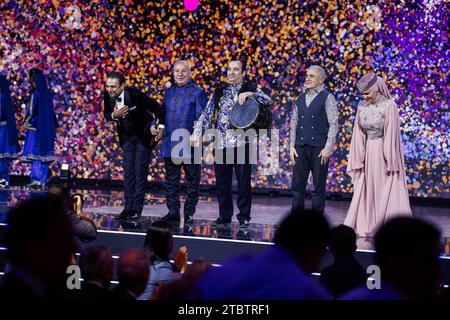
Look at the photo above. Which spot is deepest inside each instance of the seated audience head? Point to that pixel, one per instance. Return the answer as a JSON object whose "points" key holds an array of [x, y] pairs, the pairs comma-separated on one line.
{"points": [[39, 240], [407, 252], [61, 192], [97, 264], [133, 271], [159, 241], [342, 241], [305, 234]]}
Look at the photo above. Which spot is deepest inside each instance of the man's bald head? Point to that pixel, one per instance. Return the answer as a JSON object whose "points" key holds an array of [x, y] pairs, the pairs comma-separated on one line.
{"points": [[315, 76]]}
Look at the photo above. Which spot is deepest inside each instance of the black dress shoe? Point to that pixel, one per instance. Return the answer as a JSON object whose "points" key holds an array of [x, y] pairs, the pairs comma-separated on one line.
{"points": [[171, 218], [221, 221], [130, 224], [3, 184], [124, 214], [133, 215], [244, 223], [188, 219]]}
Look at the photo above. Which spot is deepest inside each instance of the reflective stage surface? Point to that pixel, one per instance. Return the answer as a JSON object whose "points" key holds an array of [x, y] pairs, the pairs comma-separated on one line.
{"points": [[104, 207]]}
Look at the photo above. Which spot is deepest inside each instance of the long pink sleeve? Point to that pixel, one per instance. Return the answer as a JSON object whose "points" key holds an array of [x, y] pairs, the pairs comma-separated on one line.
{"points": [[357, 150], [392, 144]]}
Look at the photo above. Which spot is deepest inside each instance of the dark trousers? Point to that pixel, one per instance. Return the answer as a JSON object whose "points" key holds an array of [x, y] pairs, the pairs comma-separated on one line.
{"points": [[308, 160], [224, 178], [192, 177], [136, 158]]}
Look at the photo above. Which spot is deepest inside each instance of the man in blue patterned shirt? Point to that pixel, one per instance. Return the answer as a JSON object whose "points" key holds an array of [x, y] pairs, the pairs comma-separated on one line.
{"points": [[183, 104], [217, 115]]}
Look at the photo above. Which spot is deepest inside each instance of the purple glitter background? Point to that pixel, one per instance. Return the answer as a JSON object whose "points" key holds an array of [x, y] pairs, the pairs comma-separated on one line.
{"points": [[405, 43]]}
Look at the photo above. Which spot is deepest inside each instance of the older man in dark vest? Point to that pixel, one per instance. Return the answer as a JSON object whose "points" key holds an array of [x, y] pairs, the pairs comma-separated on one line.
{"points": [[314, 125]]}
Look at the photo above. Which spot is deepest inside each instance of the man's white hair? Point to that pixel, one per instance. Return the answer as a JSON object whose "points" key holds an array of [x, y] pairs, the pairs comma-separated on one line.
{"points": [[183, 62], [321, 71]]}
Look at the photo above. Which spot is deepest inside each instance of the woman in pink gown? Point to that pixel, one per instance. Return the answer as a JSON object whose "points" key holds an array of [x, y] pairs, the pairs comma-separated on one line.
{"points": [[376, 162]]}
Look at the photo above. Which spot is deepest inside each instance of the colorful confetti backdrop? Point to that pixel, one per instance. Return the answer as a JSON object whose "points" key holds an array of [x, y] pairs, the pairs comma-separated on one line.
{"points": [[77, 42]]}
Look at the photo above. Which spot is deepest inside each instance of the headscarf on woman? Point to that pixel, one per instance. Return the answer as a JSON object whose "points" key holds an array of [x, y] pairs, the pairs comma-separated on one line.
{"points": [[371, 79]]}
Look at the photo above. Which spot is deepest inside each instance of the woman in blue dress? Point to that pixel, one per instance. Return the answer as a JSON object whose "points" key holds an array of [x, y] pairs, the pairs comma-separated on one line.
{"points": [[8, 132], [40, 125]]}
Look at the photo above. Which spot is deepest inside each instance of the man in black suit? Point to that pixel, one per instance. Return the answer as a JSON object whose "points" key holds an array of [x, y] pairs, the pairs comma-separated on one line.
{"points": [[135, 113]]}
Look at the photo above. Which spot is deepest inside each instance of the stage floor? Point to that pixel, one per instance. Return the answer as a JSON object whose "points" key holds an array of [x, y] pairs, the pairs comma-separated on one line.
{"points": [[104, 207]]}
